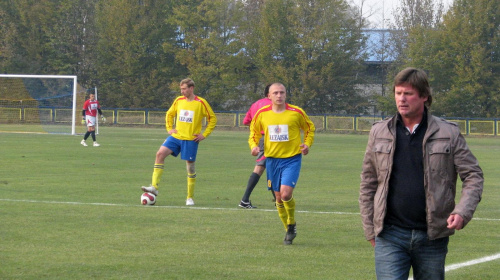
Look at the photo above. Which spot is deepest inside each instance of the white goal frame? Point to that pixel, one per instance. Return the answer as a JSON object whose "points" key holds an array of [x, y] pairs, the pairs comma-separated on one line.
{"points": [[74, 78]]}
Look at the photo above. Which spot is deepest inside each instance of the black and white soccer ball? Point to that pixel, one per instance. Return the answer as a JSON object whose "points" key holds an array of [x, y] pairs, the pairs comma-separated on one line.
{"points": [[148, 199]]}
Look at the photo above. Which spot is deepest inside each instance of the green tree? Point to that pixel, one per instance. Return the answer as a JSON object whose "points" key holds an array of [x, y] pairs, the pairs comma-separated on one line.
{"points": [[461, 57], [48, 37], [24, 38], [71, 39], [252, 81], [417, 23], [314, 48], [210, 48], [472, 42], [78, 22], [135, 69], [277, 49], [8, 32], [413, 14]]}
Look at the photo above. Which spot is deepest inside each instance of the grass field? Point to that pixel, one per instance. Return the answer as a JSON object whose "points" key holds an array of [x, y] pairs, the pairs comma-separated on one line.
{"points": [[73, 212]]}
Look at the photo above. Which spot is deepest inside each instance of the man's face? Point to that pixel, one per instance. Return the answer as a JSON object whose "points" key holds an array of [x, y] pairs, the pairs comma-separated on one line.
{"points": [[408, 101], [186, 91], [92, 97], [277, 94]]}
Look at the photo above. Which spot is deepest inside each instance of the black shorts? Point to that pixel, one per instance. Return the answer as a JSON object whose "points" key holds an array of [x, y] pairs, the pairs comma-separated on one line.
{"points": [[261, 159]]}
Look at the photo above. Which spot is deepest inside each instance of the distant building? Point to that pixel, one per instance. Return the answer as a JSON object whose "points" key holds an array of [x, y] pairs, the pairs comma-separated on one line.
{"points": [[379, 57]]}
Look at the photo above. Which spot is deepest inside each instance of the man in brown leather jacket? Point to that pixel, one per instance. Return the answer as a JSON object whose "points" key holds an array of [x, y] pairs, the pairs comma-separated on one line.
{"points": [[408, 184]]}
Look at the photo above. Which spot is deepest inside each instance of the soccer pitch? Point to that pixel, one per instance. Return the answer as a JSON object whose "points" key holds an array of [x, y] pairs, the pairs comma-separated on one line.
{"points": [[73, 212]]}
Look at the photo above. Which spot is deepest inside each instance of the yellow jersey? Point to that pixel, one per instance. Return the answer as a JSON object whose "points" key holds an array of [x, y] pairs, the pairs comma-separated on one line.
{"points": [[281, 130], [188, 116]]}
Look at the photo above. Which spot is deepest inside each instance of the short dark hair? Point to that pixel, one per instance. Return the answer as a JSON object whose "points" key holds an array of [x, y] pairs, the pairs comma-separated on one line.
{"points": [[266, 90], [418, 79]]}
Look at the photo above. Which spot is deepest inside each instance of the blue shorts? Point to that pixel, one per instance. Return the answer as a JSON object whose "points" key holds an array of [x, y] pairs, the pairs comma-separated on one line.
{"points": [[187, 148], [283, 171]]}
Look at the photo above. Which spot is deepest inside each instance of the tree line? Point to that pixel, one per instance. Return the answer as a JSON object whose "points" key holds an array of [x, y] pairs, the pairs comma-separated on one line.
{"points": [[137, 51]]}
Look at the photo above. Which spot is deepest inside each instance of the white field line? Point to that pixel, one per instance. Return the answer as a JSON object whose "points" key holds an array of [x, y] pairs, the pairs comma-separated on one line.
{"points": [[192, 207], [472, 262], [469, 263], [447, 268], [173, 207]]}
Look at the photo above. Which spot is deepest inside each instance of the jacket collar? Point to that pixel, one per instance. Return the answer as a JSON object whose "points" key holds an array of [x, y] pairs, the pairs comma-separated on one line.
{"points": [[431, 124]]}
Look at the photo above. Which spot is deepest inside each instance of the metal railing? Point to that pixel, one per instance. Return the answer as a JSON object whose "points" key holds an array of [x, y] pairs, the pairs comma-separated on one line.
{"points": [[326, 122]]}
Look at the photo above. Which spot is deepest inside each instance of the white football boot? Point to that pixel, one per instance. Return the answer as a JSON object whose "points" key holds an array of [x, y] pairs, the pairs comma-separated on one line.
{"points": [[83, 143], [96, 144], [150, 189], [189, 202]]}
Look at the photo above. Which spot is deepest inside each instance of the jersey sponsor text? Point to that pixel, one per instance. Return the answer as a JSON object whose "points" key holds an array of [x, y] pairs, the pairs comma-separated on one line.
{"points": [[278, 133], [186, 116]]}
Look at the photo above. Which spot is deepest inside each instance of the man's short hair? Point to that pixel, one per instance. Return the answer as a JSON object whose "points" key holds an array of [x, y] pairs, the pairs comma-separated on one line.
{"points": [[189, 82], [266, 90], [276, 83], [417, 78]]}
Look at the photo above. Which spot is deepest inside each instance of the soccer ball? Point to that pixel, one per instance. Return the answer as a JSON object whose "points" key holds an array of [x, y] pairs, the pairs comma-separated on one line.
{"points": [[148, 199]]}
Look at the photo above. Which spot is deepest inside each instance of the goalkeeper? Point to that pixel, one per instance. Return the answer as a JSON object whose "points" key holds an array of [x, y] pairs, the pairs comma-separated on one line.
{"points": [[90, 109], [260, 163]]}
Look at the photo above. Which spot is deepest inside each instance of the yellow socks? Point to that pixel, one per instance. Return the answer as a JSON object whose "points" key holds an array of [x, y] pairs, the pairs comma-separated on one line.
{"points": [[282, 213], [191, 180], [290, 210], [286, 211], [157, 172]]}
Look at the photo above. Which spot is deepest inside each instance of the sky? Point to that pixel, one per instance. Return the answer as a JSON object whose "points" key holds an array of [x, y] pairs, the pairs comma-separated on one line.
{"points": [[382, 9]]}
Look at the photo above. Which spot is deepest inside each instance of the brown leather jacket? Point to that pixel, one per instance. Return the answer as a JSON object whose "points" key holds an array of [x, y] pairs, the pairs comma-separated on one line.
{"points": [[446, 154]]}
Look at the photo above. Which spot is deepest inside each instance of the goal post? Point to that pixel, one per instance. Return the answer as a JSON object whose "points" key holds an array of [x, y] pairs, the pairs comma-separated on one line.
{"points": [[44, 100]]}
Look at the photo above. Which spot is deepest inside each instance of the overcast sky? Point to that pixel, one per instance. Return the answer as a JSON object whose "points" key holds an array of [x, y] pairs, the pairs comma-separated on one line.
{"points": [[383, 9]]}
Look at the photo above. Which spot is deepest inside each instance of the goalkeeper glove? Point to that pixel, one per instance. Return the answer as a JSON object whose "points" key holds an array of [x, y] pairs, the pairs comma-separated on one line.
{"points": [[83, 121], [103, 118]]}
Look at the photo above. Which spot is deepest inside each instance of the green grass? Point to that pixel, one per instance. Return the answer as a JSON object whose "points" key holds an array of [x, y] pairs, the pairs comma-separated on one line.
{"points": [[70, 212]]}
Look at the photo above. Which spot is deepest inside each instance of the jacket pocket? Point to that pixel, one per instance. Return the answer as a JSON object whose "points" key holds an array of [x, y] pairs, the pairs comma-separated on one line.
{"points": [[382, 150], [439, 152]]}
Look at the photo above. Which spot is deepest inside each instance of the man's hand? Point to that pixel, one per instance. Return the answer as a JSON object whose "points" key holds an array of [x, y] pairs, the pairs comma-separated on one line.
{"points": [[83, 121], [172, 131], [198, 137], [255, 151], [304, 149], [455, 221], [372, 241], [103, 118]]}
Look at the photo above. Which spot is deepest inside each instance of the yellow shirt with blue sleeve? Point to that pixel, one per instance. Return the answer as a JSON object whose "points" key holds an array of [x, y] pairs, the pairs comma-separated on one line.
{"points": [[281, 130], [188, 116]]}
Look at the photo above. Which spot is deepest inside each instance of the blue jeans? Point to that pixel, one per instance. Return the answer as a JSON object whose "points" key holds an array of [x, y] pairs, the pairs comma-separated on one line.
{"points": [[397, 249]]}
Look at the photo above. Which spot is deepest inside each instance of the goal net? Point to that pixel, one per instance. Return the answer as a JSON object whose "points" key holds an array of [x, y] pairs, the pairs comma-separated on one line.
{"points": [[41, 103]]}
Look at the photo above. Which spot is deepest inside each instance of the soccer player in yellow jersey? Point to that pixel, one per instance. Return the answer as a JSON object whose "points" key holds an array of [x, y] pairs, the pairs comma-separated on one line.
{"points": [[283, 148], [188, 110]]}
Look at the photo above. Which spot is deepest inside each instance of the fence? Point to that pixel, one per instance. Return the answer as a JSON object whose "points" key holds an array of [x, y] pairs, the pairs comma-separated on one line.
{"points": [[327, 123], [332, 123]]}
